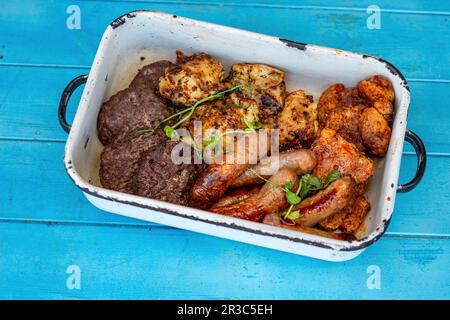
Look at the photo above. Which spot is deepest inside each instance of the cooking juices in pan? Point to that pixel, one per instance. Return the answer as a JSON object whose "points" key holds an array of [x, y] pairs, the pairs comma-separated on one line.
{"points": [[236, 143]]}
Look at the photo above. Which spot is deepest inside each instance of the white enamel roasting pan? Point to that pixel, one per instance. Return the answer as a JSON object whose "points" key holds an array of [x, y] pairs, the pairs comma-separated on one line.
{"points": [[141, 37]]}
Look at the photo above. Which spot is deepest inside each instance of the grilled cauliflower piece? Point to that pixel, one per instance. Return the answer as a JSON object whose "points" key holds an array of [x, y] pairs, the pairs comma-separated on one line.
{"points": [[335, 153], [264, 89], [192, 78], [298, 121]]}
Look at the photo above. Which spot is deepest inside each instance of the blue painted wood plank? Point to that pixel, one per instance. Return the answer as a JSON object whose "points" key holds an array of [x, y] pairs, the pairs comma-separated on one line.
{"points": [[35, 187], [415, 43], [169, 263], [410, 7], [33, 115]]}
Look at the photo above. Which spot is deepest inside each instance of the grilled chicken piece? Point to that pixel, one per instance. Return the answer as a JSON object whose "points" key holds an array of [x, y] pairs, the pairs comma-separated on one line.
{"points": [[375, 131], [263, 91], [340, 109], [344, 110], [345, 120], [298, 121], [335, 153], [216, 117], [337, 96], [193, 78], [379, 91], [334, 221], [274, 219], [356, 215]]}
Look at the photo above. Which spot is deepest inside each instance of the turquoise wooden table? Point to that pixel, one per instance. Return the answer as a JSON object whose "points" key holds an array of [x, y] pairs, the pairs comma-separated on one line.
{"points": [[54, 244]]}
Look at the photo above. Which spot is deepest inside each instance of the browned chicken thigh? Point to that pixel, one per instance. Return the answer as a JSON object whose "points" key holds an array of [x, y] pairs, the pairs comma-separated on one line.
{"points": [[375, 131], [379, 91], [344, 110], [298, 121], [192, 78], [263, 90], [335, 153]]}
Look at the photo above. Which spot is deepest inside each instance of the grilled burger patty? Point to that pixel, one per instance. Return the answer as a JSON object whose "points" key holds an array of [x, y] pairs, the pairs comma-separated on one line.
{"points": [[136, 162], [137, 107], [157, 177], [120, 159]]}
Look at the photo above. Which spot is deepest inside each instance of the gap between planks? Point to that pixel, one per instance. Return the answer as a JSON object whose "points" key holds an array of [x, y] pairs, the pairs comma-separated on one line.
{"points": [[280, 6], [150, 225]]}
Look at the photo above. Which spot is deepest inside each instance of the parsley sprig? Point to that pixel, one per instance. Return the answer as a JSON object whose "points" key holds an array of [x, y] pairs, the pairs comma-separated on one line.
{"points": [[308, 185]]}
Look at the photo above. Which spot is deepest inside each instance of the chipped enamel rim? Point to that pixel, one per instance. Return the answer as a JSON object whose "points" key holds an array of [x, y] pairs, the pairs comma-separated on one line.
{"points": [[211, 218]]}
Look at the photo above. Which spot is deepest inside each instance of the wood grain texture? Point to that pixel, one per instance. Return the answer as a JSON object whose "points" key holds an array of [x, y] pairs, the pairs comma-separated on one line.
{"points": [[168, 263], [47, 225], [396, 41]]}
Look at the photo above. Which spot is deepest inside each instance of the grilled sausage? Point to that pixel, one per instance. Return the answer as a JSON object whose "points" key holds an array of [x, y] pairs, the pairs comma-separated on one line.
{"points": [[299, 161], [213, 183], [271, 199], [326, 202], [217, 178], [274, 220], [236, 195]]}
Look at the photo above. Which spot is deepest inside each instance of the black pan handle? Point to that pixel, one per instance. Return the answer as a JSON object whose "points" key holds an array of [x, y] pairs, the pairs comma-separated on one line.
{"points": [[67, 93], [421, 153]]}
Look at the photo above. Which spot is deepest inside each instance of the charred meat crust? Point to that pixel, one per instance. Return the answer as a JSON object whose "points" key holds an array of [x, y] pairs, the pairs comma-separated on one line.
{"points": [[134, 108], [326, 202], [236, 195], [271, 199], [298, 121], [300, 161], [275, 220], [213, 182], [119, 161], [157, 177]]}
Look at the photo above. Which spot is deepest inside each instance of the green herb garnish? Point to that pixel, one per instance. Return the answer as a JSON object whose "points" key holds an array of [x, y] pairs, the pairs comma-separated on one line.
{"points": [[308, 185], [191, 109], [171, 133], [213, 140]]}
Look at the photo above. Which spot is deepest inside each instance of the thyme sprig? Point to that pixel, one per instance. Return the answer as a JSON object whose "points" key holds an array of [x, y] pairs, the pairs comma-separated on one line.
{"points": [[191, 109]]}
